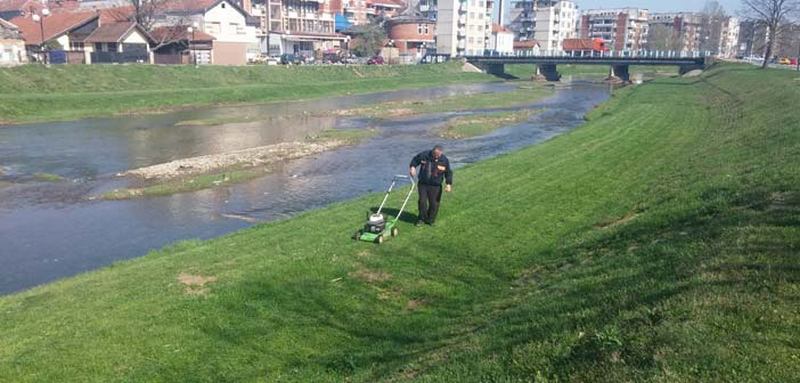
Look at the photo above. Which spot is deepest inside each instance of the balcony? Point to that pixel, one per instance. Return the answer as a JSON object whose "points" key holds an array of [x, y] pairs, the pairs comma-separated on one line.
{"points": [[462, 32]]}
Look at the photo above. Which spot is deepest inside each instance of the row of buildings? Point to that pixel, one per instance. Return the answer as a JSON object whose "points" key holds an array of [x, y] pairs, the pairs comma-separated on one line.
{"points": [[551, 22], [237, 31], [227, 32]]}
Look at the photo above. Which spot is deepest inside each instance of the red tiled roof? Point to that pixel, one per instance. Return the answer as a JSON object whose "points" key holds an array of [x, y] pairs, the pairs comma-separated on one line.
{"points": [[178, 33], [526, 44], [112, 32], [582, 44], [116, 14], [55, 25], [8, 25], [189, 5], [36, 5], [19, 5]]}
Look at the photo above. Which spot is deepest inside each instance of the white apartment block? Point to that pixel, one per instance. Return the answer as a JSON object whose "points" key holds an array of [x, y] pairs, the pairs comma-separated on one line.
{"points": [[554, 23], [623, 29], [729, 38], [463, 27]]}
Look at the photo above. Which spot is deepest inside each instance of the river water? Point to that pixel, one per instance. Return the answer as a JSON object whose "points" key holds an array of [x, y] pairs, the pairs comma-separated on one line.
{"points": [[49, 230]]}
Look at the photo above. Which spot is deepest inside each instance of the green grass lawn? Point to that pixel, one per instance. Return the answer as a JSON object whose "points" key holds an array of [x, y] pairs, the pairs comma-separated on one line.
{"points": [[36, 93], [658, 242]]}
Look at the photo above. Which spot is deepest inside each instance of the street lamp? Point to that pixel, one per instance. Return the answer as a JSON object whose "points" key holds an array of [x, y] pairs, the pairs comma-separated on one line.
{"points": [[192, 51], [40, 19]]}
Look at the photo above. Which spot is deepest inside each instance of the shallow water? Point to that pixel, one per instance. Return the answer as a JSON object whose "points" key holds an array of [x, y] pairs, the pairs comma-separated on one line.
{"points": [[53, 230]]}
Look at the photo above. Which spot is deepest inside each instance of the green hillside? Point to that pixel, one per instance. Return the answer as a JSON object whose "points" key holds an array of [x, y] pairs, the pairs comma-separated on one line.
{"points": [[658, 242]]}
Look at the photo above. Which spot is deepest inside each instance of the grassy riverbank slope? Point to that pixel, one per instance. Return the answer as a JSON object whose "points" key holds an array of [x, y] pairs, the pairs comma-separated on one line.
{"points": [[658, 242], [36, 93]]}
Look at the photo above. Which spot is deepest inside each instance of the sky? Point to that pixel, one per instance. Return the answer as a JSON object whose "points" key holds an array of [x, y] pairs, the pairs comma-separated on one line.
{"points": [[731, 6]]}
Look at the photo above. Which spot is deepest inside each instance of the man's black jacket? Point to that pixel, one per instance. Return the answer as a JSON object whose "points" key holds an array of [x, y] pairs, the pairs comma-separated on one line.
{"points": [[432, 170]]}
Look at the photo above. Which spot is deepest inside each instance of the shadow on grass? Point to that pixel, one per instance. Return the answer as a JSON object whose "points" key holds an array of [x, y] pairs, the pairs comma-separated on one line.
{"points": [[615, 301]]}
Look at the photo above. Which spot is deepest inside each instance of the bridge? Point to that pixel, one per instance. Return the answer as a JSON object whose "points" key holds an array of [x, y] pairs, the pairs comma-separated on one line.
{"points": [[618, 62]]}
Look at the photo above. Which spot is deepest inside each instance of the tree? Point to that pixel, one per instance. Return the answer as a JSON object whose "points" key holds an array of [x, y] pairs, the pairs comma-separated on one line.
{"points": [[774, 15], [664, 38], [714, 17], [368, 39], [145, 11]]}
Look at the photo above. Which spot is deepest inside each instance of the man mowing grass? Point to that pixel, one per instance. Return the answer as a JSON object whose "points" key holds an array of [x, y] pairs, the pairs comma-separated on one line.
{"points": [[433, 168]]}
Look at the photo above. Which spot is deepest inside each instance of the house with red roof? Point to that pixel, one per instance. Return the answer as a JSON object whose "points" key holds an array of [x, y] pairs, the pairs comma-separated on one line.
{"points": [[12, 47], [118, 42], [584, 47], [501, 40], [232, 28], [57, 30], [531, 47]]}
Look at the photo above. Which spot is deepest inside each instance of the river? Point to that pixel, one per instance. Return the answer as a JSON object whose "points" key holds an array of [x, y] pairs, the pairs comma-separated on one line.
{"points": [[50, 230]]}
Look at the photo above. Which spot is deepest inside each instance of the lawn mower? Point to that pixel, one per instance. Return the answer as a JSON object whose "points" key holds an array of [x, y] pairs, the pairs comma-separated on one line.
{"points": [[377, 226]]}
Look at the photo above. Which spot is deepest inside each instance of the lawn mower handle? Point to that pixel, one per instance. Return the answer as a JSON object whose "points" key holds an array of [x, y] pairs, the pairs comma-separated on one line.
{"points": [[391, 187]]}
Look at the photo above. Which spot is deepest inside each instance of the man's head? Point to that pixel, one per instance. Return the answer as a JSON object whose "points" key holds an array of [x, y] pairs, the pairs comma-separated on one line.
{"points": [[437, 151]]}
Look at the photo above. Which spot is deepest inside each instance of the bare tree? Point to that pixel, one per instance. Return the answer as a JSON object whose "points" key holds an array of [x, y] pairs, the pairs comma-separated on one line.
{"points": [[664, 38], [774, 15], [146, 11], [714, 16]]}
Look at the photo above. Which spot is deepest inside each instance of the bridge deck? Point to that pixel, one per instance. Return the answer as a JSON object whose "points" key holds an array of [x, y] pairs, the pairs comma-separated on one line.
{"points": [[556, 60]]}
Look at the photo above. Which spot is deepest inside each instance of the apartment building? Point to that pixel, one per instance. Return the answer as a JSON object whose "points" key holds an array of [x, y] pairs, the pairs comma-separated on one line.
{"points": [[729, 37], [623, 29], [678, 31], [463, 27], [298, 26], [554, 23], [522, 17]]}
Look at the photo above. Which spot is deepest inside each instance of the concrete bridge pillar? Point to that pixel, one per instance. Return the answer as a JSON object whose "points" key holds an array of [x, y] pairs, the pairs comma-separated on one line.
{"points": [[548, 71], [493, 69], [684, 69], [621, 72]]}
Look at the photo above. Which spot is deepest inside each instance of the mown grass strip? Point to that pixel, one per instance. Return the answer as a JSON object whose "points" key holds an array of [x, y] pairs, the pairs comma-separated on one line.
{"points": [[535, 271]]}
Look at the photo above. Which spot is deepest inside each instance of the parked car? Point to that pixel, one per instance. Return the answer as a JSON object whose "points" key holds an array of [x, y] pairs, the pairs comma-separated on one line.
{"points": [[793, 60], [785, 61], [291, 59], [377, 60]]}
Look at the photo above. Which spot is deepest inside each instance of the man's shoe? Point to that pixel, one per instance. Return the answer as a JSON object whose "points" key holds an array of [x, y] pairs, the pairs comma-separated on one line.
{"points": [[419, 223]]}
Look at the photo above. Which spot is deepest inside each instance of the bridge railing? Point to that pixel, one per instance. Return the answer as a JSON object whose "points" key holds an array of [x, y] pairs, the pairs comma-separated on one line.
{"points": [[640, 54]]}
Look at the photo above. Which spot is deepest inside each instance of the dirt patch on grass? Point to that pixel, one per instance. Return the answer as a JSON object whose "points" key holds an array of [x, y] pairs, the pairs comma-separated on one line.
{"points": [[415, 304], [196, 284], [371, 276], [618, 221]]}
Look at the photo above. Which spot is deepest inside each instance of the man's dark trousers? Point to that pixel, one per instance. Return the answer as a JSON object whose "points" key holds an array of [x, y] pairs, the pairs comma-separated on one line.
{"points": [[429, 197]]}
